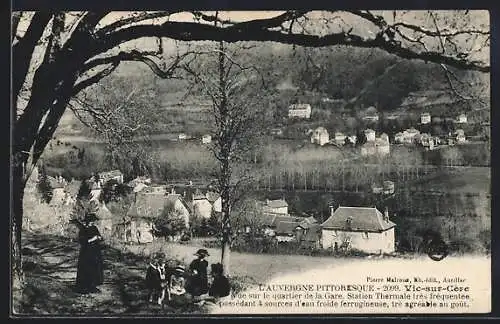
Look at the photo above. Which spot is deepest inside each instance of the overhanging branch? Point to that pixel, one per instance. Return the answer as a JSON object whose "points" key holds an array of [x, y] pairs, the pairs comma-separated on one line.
{"points": [[187, 31]]}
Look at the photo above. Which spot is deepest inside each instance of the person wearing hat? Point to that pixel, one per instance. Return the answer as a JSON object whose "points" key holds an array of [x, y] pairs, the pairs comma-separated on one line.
{"points": [[90, 270], [199, 280]]}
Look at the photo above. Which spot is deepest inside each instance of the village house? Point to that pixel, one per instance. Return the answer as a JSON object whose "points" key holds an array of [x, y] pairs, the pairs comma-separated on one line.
{"points": [[58, 185], [375, 146], [139, 183], [282, 227], [462, 119], [312, 237], [370, 135], [409, 135], [206, 139], [320, 136], [428, 141], [460, 136], [276, 131], [205, 204], [371, 114], [182, 137], [287, 231], [105, 221], [361, 228], [116, 175], [276, 206], [399, 138], [201, 206], [148, 206], [377, 189], [215, 199], [388, 187], [299, 110], [352, 139], [95, 191], [340, 138], [425, 118]]}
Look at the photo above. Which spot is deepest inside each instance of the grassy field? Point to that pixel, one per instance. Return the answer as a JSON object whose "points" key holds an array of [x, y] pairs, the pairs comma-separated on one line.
{"points": [[457, 180]]}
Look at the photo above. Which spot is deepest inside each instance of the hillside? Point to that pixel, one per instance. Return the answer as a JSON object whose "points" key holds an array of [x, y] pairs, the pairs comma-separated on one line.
{"points": [[360, 77]]}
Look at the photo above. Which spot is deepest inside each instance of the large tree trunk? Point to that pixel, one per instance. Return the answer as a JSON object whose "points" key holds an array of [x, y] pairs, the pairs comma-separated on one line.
{"points": [[16, 224]]}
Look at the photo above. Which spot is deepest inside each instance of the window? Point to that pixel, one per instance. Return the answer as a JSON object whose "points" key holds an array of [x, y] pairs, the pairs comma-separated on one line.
{"points": [[365, 235]]}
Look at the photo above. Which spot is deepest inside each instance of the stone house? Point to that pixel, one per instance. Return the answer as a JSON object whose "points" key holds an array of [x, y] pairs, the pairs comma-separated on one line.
{"points": [[299, 110], [320, 136], [362, 228]]}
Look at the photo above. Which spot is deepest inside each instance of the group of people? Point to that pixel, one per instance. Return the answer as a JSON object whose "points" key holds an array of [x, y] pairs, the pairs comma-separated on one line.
{"points": [[177, 284], [161, 280]]}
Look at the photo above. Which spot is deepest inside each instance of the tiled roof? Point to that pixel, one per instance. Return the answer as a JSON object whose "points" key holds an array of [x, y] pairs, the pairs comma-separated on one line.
{"points": [[362, 219], [110, 174], [276, 203], [313, 234], [147, 205], [212, 196], [286, 227]]}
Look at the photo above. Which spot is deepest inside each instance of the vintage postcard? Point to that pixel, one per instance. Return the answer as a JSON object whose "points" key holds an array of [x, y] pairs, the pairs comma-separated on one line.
{"points": [[250, 162]]}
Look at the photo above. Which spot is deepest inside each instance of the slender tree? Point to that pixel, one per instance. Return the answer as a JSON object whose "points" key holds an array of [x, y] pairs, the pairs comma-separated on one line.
{"points": [[236, 92]]}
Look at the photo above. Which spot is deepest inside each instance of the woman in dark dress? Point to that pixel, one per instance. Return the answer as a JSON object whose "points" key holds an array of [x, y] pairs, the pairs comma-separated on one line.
{"points": [[198, 284], [90, 270], [220, 286]]}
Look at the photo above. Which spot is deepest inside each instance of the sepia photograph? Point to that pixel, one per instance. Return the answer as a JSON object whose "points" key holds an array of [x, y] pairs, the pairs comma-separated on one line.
{"points": [[212, 163]]}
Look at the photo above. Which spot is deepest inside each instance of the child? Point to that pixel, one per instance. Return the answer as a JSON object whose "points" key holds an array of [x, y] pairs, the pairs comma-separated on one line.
{"points": [[199, 279], [156, 278], [177, 281], [220, 285]]}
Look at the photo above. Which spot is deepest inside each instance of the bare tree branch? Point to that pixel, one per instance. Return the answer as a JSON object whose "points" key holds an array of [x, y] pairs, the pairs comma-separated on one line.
{"points": [[194, 31]]}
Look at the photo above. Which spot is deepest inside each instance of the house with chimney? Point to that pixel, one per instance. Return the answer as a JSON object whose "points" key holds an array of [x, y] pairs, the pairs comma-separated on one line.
{"points": [[275, 206], [364, 229]]}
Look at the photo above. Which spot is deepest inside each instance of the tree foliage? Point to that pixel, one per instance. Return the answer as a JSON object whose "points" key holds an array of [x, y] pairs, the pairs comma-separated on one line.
{"points": [[112, 190], [170, 222], [84, 190]]}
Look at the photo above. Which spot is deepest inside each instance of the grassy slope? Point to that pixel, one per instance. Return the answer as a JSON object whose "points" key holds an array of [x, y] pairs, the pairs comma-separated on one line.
{"points": [[50, 271]]}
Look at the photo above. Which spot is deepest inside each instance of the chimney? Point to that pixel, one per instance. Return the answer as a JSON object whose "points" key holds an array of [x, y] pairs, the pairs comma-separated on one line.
{"points": [[172, 191], [386, 214], [331, 209]]}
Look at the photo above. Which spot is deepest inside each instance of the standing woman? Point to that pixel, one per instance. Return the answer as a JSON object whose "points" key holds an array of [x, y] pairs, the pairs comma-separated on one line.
{"points": [[199, 279], [90, 271]]}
